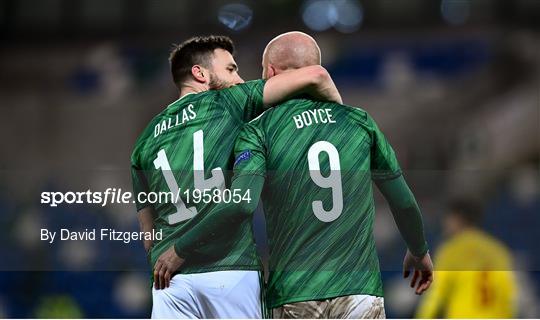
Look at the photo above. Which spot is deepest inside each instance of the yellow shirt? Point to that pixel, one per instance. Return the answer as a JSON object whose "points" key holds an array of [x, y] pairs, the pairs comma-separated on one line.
{"points": [[473, 279]]}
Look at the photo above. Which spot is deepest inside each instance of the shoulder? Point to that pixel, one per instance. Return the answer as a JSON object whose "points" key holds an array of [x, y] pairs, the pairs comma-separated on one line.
{"points": [[251, 135], [358, 114], [144, 138], [205, 96], [255, 126], [492, 249], [354, 114], [246, 88], [294, 105], [265, 118], [495, 245]]}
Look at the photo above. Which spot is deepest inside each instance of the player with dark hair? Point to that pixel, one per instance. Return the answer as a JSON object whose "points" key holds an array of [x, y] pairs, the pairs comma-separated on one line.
{"points": [[316, 161], [462, 212], [188, 146], [473, 270], [200, 51]]}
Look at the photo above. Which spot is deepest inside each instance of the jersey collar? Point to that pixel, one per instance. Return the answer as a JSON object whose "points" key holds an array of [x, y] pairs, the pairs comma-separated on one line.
{"points": [[182, 97]]}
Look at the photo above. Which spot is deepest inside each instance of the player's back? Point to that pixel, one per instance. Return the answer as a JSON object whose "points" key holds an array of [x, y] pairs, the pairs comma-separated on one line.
{"points": [[189, 146], [318, 199]]}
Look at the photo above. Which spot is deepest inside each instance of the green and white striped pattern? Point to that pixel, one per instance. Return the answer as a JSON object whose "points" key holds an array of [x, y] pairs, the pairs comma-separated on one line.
{"points": [[312, 259]]}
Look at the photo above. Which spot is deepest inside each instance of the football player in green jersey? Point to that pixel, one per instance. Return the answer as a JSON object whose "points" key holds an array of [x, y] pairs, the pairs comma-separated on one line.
{"points": [[316, 161], [188, 146]]}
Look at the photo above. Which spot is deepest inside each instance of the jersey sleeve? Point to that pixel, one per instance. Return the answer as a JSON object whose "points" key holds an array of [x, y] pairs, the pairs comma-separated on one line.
{"points": [[384, 164], [250, 152], [140, 185], [245, 100]]}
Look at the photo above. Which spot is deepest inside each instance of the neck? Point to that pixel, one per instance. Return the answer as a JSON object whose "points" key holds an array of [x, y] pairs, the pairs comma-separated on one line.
{"points": [[470, 228], [192, 88], [463, 229]]}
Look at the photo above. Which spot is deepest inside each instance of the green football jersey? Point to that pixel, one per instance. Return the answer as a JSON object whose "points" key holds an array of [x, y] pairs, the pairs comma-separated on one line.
{"points": [[188, 146], [318, 159]]}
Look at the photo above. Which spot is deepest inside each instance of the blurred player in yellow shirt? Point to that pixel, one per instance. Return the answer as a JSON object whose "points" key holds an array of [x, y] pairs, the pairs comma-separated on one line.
{"points": [[473, 271]]}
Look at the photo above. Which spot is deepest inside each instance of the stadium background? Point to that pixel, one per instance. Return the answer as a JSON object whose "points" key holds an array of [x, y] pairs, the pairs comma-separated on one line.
{"points": [[454, 84]]}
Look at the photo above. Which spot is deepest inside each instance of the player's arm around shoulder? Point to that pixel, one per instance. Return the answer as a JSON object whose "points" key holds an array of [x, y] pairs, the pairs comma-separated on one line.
{"points": [[314, 81]]}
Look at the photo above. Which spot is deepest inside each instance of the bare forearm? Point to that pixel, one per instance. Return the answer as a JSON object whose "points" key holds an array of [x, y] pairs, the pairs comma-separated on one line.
{"points": [[325, 90], [314, 81]]}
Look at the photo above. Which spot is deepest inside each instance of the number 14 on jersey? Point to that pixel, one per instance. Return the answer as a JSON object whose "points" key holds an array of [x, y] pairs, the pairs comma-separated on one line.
{"points": [[217, 179]]}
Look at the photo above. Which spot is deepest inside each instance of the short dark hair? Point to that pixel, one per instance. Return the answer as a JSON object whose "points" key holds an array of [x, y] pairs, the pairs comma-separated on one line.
{"points": [[197, 50], [470, 210]]}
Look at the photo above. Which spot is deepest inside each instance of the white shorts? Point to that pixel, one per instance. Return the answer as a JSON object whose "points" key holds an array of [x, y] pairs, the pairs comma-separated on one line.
{"points": [[219, 294], [345, 307]]}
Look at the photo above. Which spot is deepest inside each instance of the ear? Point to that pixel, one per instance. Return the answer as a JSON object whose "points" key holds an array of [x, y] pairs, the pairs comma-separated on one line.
{"points": [[271, 71], [199, 73]]}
